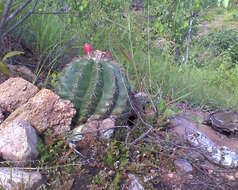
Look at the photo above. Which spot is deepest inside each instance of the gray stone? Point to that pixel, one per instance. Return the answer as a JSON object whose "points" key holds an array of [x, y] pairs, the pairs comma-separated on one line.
{"points": [[183, 166], [92, 129], [18, 142], [134, 183], [14, 178], [216, 147]]}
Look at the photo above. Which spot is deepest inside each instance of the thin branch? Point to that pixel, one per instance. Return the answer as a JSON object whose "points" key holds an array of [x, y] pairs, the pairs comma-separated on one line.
{"points": [[188, 37], [53, 13], [4, 15], [150, 127], [18, 10], [22, 19]]}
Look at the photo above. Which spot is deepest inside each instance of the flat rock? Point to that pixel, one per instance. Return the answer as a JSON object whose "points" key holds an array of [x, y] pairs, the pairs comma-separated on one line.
{"points": [[45, 110], [216, 147], [15, 92], [18, 142], [14, 178], [183, 166]]}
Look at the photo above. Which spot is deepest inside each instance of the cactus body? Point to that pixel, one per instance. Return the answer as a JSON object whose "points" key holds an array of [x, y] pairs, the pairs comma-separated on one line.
{"points": [[97, 89]]}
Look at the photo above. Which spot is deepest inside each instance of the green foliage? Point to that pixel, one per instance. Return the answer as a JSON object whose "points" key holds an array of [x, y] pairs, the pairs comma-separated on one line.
{"points": [[201, 86], [225, 41], [172, 17], [117, 152], [116, 181], [225, 3], [50, 153], [97, 89], [53, 79]]}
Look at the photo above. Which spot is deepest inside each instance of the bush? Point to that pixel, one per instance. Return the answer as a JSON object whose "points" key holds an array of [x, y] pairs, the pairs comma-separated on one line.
{"points": [[223, 41]]}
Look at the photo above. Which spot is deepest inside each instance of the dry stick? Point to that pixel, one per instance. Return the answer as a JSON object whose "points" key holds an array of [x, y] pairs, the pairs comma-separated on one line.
{"points": [[52, 13], [47, 168], [23, 19], [139, 116], [18, 10], [4, 15]]}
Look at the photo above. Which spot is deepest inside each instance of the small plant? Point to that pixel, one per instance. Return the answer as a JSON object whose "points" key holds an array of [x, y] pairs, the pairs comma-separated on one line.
{"points": [[50, 153], [97, 89], [116, 152]]}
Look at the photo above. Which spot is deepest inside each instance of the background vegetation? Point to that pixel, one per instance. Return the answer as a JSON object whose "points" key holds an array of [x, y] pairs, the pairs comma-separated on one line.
{"points": [[161, 44], [176, 51]]}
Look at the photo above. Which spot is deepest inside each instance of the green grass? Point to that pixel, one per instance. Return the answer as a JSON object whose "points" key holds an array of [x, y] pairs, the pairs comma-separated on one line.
{"points": [[231, 15], [202, 86]]}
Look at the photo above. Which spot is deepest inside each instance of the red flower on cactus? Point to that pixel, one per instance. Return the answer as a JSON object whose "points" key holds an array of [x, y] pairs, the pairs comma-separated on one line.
{"points": [[87, 49]]}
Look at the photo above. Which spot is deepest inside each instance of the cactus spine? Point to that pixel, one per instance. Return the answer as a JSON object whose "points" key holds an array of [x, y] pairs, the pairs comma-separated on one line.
{"points": [[97, 89]]}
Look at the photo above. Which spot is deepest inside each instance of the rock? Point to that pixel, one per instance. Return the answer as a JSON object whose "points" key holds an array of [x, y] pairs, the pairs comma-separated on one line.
{"points": [[15, 92], [183, 166], [14, 178], [140, 100], [21, 71], [92, 129], [216, 147], [105, 126], [224, 122], [133, 183], [45, 110], [18, 142], [195, 156], [2, 117]]}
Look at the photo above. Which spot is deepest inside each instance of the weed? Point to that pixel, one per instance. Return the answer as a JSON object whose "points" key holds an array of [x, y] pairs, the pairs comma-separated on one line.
{"points": [[117, 151], [51, 153]]}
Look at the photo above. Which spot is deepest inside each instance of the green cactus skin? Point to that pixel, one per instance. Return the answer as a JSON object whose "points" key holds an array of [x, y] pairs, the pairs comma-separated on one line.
{"points": [[109, 94], [97, 89], [122, 104]]}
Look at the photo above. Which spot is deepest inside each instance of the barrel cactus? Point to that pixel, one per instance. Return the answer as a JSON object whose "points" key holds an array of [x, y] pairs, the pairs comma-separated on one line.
{"points": [[98, 89]]}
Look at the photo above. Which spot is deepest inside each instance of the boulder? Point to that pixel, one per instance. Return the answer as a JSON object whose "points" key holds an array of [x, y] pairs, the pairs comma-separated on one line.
{"points": [[15, 92], [15, 178], [18, 142], [45, 110]]}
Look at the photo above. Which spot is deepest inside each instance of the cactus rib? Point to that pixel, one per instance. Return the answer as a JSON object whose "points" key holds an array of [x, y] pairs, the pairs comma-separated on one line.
{"points": [[109, 94]]}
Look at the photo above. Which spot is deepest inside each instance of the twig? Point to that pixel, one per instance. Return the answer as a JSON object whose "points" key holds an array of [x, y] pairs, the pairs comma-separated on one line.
{"points": [[139, 116], [22, 19], [188, 37], [18, 10], [53, 13], [47, 168], [4, 15]]}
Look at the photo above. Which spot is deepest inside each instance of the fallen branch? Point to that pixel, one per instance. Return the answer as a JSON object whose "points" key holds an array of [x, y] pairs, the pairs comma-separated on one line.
{"points": [[22, 19]]}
